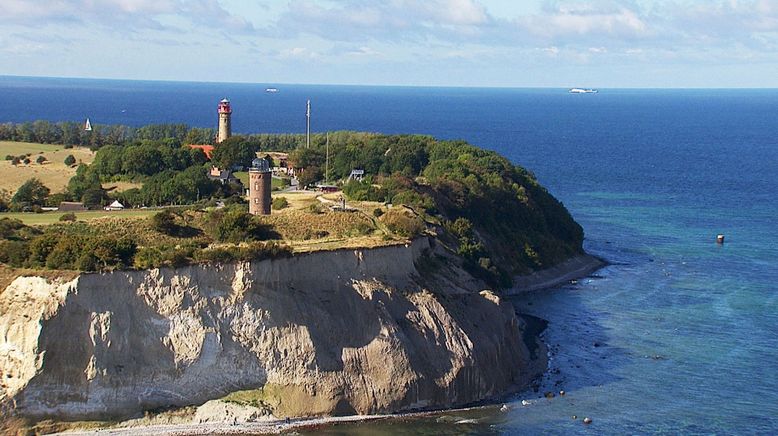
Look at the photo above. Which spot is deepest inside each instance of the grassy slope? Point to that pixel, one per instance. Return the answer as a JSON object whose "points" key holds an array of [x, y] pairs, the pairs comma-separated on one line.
{"points": [[47, 218], [54, 173]]}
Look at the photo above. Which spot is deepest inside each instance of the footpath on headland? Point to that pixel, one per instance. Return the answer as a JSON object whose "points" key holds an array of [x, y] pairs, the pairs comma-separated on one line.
{"points": [[571, 269]]}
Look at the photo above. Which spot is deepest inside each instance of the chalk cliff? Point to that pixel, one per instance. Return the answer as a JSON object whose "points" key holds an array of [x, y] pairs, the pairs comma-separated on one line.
{"points": [[327, 333]]}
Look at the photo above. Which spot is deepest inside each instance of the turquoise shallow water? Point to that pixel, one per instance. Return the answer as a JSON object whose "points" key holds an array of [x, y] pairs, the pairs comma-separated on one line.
{"points": [[687, 329]]}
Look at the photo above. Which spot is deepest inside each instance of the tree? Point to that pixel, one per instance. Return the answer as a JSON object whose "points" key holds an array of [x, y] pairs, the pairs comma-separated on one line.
{"points": [[5, 200], [32, 192], [234, 151], [70, 160], [41, 159], [310, 176], [93, 197], [85, 180]]}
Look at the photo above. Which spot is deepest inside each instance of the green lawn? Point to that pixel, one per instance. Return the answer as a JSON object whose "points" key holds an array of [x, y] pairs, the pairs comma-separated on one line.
{"points": [[47, 218]]}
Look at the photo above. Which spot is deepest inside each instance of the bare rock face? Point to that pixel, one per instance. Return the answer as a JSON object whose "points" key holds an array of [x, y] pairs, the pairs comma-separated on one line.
{"points": [[342, 332]]}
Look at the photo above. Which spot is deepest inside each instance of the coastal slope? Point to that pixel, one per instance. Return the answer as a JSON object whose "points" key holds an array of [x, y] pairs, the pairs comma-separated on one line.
{"points": [[329, 333]]}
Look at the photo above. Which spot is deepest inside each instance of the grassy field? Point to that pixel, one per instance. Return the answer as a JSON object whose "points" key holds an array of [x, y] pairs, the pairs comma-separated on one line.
{"points": [[53, 173], [46, 218]]}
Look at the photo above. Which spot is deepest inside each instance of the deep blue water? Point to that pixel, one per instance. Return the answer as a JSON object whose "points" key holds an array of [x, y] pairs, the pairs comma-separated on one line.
{"points": [[688, 329]]}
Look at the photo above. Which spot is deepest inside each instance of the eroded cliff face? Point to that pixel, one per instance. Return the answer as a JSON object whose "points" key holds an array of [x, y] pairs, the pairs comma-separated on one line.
{"points": [[343, 332]]}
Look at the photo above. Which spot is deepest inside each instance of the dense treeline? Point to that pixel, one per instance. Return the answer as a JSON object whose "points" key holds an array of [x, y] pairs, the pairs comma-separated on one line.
{"points": [[502, 220], [70, 133], [73, 134], [503, 216]]}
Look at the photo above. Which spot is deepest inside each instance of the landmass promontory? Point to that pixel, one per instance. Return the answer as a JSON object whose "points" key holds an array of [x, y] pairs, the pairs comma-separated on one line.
{"points": [[261, 277]]}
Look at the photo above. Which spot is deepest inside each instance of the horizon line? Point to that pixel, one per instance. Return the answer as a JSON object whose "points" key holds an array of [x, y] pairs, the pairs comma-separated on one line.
{"points": [[107, 79]]}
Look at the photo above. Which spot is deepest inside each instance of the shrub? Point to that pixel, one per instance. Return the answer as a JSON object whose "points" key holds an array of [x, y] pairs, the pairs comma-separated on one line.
{"points": [[26, 161], [14, 253], [236, 226], [215, 255], [147, 258], [316, 208], [314, 234], [70, 160], [177, 257], [264, 250], [165, 222], [362, 228], [9, 228], [41, 159], [403, 223], [9, 157], [279, 203], [377, 212], [68, 217]]}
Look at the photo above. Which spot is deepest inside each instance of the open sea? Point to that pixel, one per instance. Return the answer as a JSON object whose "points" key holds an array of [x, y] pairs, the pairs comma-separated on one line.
{"points": [[678, 335]]}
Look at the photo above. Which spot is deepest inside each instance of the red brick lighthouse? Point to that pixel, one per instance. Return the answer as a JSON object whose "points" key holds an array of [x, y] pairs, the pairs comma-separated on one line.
{"points": [[225, 121]]}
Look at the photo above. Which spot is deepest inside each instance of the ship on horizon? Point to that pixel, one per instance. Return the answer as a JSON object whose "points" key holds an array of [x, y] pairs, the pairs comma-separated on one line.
{"points": [[583, 91]]}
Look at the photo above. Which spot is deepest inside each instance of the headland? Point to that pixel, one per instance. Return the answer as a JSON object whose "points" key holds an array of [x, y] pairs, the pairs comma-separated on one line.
{"points": [[369, 282]]}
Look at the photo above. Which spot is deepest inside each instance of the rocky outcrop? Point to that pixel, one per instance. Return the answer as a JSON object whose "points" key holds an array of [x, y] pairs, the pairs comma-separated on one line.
{"points": [[341, 332]]}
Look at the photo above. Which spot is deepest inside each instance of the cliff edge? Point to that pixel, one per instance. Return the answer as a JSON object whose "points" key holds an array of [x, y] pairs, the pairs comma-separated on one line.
{"points": [[342, 332]]}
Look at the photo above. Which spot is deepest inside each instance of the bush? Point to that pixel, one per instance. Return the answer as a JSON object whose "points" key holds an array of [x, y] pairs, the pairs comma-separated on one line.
{"points": [[215, 255], [279, 203], [403, 223], [9, 157], [14, 253], [68, 217], [165, 222], [377, 212], [26, 161], [316, 208], [147, 258], [235, 225], [41, 159], [70, 160]]}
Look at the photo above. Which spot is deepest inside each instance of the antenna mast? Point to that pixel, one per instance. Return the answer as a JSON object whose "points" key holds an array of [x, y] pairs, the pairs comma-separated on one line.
{"points": [[327, 164], [308, 125]]}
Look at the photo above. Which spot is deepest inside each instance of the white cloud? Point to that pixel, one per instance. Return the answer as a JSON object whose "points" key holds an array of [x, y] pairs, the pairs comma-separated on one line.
{"points": [[585, 19], [386, 20], [120, 14]]}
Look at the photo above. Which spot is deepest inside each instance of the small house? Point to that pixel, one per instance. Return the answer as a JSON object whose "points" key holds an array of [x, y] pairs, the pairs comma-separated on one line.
{"points": [[224, 177], [115, 206]]}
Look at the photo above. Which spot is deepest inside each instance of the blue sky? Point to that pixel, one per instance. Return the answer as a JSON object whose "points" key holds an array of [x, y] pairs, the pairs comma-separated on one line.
{"points": [[532, 43]]}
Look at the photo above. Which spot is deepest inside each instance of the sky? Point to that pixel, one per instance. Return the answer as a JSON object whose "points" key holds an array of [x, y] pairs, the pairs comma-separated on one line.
{"points": [[501, 43]]}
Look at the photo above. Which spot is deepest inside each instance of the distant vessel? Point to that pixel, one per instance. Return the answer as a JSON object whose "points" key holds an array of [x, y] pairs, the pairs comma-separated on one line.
{"points": [[271, 89], [87, 126], [583, 91]]}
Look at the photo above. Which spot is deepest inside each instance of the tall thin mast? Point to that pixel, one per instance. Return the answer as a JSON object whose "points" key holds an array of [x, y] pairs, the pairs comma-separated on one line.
{"points": [[327, 164], [308, 125]]}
